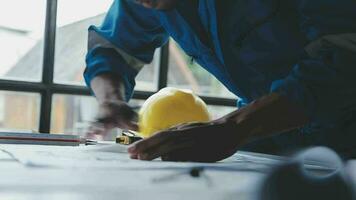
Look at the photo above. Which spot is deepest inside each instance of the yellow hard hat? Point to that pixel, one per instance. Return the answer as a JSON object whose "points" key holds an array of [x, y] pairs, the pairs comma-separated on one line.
{"points": [[170, 107]]}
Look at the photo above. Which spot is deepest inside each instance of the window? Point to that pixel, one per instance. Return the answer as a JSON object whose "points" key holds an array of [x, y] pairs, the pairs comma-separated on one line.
{"points": [[72, 35], [71, 42], [21, 32], [41, 83], [219, 111], [18, 107], [185, 73], [72, 114]]}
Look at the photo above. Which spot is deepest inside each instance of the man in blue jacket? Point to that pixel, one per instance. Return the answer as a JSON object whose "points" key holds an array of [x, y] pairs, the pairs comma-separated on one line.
{"points": [[292, 63]]}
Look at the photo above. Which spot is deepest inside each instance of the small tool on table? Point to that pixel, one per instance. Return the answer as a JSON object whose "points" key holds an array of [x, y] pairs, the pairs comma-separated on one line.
{"points": [[43, 139], [128, 137]]}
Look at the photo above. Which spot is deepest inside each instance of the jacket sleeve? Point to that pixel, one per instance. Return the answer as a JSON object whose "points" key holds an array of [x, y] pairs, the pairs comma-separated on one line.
{"points": [[124, 42], [323, 82]]}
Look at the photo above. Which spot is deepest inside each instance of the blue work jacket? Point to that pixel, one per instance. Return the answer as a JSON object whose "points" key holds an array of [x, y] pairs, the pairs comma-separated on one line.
{"points": [[255, 47]]}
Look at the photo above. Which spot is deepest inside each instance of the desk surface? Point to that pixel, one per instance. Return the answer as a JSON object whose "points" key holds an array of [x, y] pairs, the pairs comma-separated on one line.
{"points": [[106, 172]]}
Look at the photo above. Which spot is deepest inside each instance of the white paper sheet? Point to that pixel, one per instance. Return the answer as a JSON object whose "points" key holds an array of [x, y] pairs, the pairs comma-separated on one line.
{"points": [[115, 156], [4, 156], [107, 172]]}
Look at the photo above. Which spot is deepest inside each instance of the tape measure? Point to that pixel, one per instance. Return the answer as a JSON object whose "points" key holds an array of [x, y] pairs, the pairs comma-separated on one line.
{"points": [[127, 138]]}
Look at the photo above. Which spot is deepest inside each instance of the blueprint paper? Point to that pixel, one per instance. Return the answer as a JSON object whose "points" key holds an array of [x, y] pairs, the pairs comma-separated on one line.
{"points": [[107, 172], [4, 156], [45, 172], [110, 148], [115, 157]]}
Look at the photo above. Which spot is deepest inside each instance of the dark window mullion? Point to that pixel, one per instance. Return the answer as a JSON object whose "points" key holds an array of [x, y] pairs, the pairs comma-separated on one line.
{"points": [[163, 67], [48, 65]]}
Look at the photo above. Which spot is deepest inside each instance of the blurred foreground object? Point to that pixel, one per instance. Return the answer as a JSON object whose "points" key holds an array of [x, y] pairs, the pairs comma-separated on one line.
{"points": [[170, 107], [293, 181]]}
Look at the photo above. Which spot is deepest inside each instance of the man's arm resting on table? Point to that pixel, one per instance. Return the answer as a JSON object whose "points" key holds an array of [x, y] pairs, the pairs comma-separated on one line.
{"points": [[267, 116], [219, 139]]}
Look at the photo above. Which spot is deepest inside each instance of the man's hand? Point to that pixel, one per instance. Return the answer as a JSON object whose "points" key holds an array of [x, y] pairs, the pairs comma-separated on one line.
{"points": [[114, 114], [200, 142], [216, 140], [113, 110]]}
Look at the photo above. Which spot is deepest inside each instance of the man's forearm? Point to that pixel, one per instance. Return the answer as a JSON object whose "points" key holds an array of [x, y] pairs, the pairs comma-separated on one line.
{"points": [[269, 115], [108, 88]]}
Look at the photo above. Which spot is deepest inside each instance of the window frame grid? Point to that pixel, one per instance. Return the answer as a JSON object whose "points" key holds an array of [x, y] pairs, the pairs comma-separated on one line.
{"points": [[47, 88]]}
